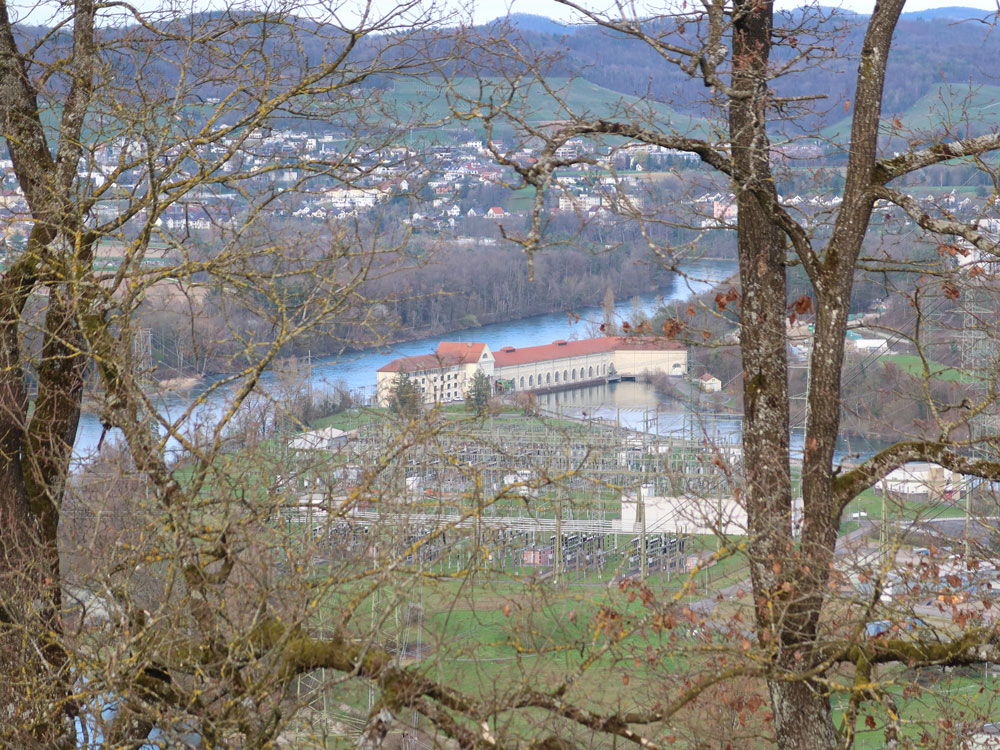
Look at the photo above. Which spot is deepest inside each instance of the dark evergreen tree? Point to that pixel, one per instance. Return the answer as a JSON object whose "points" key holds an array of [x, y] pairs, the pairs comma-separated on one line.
{"points": [[407, 399], [479, 392]]}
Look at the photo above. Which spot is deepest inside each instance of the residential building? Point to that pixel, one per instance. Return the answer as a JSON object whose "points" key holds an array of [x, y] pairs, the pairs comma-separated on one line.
{"points": [[709, 383], [446, 375]]}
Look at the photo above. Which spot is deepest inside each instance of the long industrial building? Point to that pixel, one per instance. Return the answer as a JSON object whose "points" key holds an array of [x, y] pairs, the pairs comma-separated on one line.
{"points": [[447, 374]]}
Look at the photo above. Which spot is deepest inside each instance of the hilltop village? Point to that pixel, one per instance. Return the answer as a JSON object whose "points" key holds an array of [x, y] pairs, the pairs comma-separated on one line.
{"points": [[458, 187], [452, 182]]}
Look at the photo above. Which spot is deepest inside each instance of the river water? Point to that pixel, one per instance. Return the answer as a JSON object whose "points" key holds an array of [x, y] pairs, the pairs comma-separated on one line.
{"points": [[358, 370], [633, 404]]}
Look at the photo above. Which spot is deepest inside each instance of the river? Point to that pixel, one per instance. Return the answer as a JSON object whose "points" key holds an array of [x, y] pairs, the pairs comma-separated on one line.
{"points": [[633, 404]]}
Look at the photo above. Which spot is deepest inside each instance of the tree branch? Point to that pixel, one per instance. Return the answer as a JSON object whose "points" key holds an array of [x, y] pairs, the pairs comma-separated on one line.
{"points": [[705, 151], [887, 170], [936, 224], [410, 688], [847, 486]]}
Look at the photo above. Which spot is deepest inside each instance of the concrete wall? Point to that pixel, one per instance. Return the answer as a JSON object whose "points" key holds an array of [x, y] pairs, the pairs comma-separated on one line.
{"points": [[589, 367], [636, 362], [686, 515], [923, 479]]}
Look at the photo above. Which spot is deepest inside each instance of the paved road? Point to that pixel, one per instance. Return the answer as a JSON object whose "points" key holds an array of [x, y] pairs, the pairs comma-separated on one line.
{"points": [[850, 542]]}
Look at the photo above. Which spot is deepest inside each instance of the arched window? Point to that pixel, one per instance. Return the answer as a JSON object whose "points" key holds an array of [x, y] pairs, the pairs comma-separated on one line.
{"points": [[574, 373], [565, 375], [548, 377], [522, 381], [531, 379], [590, 374], [604, 369], [557, 377]]}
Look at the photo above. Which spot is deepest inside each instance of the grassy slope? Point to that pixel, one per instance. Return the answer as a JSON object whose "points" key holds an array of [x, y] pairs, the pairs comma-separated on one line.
{"points": [[500, 630], [534, 104], [960, 106], [913, 365]]}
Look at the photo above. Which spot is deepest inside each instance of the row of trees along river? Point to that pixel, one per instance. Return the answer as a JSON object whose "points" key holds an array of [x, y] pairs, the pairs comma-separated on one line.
{"points": [[355, 371]]}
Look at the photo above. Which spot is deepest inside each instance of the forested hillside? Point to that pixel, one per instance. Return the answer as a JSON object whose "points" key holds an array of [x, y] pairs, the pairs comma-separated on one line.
{"points": [[929, 49]]}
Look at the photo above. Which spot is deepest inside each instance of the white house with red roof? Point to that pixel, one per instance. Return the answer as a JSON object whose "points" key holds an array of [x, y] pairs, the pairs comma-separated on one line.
{"points": [[709, 383], [443, 376]]}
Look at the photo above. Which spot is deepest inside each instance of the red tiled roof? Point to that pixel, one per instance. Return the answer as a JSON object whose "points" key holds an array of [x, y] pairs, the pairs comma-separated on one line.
{"points": [[448, 354], [416, 363], [558, 349], [468, 352]]}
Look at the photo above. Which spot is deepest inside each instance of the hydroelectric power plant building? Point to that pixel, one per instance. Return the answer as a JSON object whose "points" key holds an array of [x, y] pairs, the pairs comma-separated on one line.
{"points": [[447, 374]]}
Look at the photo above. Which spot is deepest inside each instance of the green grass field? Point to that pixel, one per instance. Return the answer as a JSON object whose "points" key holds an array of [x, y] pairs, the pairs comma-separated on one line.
{"points": [[489, 624], [913, 365], [496, 634], [957, 697]]}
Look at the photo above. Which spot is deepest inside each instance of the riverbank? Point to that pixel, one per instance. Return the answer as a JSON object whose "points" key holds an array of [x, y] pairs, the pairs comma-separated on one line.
{"points": [[180, 384], [354, 370]]}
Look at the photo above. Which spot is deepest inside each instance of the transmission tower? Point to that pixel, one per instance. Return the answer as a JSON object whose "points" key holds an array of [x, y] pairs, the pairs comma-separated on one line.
{"points": [[142, 352]]}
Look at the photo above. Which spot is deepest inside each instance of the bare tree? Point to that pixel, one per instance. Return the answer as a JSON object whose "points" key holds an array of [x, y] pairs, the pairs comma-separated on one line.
{"points": [[186, 587], [135, 136], [740, 56]]}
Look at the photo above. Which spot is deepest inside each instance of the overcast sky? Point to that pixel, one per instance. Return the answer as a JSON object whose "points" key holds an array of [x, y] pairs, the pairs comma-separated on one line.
{"points": [[44, 11]]}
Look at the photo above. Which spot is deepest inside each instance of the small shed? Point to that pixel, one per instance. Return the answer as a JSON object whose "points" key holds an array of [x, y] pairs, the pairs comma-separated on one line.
{"points": [[709, 383]]}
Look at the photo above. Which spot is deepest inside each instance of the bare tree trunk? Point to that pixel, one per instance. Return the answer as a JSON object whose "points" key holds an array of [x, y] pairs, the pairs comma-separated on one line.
{"points": [[16, 527], [803, 719], [35, 452]]}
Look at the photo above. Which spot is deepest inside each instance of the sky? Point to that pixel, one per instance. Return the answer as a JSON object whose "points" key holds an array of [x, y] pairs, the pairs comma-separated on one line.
{"points": [[43, 11]]}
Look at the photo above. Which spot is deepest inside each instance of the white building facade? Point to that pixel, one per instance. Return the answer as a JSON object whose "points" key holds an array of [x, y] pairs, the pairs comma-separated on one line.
{"points": [[444, 376], [567, 363]]}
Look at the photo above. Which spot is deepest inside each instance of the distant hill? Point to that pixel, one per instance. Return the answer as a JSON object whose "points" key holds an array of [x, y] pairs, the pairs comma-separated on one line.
{"points": [[978, 105], [956, 12], [612, 71], [923, 57], [536, 23]]}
